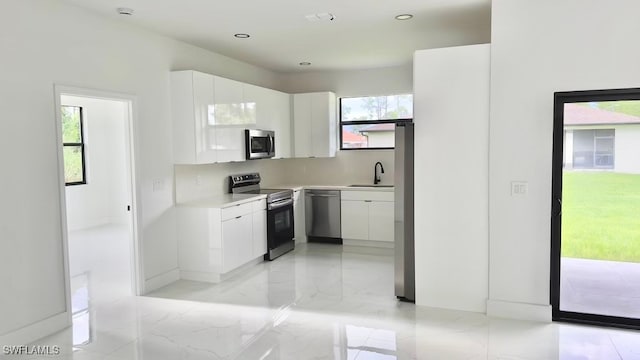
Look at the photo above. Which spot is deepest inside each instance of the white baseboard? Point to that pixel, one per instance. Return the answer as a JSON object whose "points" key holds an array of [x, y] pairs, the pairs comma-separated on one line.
{"points": [[200, 276], [369, 243], [518, 311], [161, 280], [212, 277], [36, 331]]}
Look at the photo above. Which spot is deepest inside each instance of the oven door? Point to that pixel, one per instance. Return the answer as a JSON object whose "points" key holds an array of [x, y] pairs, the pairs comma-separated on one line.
{"points": [[280, 224], [260, 144]]}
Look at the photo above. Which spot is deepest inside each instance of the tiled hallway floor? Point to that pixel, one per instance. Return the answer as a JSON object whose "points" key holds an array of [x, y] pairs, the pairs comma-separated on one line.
{"points": [[321, 302]]}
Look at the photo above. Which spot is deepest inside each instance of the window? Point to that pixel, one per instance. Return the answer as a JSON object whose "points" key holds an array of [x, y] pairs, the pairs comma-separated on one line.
{"points": [[593, 149], [73, 145], [369, 122]]}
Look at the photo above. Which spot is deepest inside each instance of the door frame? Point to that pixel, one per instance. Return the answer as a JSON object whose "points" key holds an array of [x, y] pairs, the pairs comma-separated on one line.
{"points": [[137, 271], [561, 98]]}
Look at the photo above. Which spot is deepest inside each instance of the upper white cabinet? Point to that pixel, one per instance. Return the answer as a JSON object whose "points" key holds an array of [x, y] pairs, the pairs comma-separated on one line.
{"points": [[194, 132], [314, 124], [281, 124], [210, 114], [232, 114]]}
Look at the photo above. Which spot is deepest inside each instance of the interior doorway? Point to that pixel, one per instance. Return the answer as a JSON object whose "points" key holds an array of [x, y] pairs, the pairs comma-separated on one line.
{"points": [[97, 167], [595, 249]]}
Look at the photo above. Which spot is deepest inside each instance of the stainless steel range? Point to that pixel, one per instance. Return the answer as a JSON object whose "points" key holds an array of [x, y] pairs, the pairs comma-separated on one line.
{"points": [[280, 231]]}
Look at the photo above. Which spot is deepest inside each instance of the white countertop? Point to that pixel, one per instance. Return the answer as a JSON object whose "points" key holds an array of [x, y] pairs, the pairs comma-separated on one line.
{"points": [[224, 200], [331, 187]]}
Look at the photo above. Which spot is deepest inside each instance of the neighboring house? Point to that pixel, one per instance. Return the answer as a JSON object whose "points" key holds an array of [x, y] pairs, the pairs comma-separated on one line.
{"points": [[353, 141], [380, 135], [601, 139]]}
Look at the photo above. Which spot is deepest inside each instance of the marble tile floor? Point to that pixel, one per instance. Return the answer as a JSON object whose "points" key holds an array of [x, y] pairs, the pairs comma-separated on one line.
{"points": [[600, 287], [319, 302]]}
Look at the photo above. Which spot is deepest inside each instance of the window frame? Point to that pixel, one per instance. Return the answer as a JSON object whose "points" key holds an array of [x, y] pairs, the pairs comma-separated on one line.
{"points": [[342, 123], [81, 144]]}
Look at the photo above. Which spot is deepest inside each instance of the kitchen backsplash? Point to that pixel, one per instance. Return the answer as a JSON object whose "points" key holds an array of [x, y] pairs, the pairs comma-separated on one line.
{"points": [[199, 181], [348, 167]]}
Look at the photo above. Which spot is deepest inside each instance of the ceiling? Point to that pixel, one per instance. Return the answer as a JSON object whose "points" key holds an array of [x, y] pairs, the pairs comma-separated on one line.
{"points": [[364, 33]]}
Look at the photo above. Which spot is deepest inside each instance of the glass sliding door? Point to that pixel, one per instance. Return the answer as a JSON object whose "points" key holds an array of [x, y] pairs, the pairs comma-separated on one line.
{"points": [[595, 250]]}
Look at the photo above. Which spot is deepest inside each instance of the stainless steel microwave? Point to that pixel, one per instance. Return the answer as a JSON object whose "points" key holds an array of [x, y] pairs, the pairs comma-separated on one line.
{"points": [[260, 144]]}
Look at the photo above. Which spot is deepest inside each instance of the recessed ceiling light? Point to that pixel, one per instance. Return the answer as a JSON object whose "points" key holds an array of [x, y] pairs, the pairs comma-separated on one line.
{"points": [[242, 36], [404, 17], [305, 63], [125, 11]]}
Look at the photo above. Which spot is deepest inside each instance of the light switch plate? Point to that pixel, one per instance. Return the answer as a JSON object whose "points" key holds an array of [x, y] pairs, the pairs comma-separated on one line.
{"points": [[158, 185], [519, 188]]}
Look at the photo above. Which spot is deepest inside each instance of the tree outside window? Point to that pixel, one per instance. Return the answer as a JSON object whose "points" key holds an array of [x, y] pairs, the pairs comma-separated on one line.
{"points": [[73, 145]]}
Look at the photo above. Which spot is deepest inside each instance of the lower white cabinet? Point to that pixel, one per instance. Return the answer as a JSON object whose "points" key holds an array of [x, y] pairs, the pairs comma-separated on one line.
{"points": [[367, 215], [259, 238], [299, 232], [355, 219], [381, 220], [237, 242], [215, 241]]}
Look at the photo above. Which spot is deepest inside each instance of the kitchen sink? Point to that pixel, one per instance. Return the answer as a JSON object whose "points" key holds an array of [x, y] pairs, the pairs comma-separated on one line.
{"points": [[371, 185]]}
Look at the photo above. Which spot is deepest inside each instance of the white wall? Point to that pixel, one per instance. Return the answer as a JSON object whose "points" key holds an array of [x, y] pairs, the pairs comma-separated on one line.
{"points": [[451, 105], [348, 167], [627, 147], [199, 181], [104, 198], [539, 47], [47, 42]]}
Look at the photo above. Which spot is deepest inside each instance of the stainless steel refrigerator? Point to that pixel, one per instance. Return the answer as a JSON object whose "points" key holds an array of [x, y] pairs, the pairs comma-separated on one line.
{"points": [[404, 217]]}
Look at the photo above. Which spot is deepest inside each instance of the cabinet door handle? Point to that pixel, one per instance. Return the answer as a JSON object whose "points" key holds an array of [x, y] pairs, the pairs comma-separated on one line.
{"points": [[367, 200], [238, 217]]}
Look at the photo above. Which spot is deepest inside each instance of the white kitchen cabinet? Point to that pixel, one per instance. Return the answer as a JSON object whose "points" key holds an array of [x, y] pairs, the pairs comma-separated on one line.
{"points": [[215, 241], [232, 114], [367, 215], [194, 131], [230, 144], [281, 124], [237, 242], [314, 124], [210, 114], [299, 232], [355, 219], [229, 104], [259, 105], [381, 220], [259, 237]]}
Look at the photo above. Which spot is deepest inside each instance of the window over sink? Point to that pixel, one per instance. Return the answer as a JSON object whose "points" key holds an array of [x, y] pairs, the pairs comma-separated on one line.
{"points": [[369, 122]]}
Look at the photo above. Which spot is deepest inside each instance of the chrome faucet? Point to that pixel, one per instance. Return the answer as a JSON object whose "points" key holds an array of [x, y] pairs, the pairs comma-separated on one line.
{"points": [[376, 176]]}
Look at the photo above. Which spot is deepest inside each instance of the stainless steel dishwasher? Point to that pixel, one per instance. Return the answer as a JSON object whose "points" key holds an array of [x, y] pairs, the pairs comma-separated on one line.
{"points": [[322, 214]]}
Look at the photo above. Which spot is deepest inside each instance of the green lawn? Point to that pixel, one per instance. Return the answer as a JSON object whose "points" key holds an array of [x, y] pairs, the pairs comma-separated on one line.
{"points": [[601, 216]]}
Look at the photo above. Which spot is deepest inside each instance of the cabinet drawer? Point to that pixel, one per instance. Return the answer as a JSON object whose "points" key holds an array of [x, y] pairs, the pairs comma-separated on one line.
{"points": [[259, 205], [367, 195], [236, 210]]}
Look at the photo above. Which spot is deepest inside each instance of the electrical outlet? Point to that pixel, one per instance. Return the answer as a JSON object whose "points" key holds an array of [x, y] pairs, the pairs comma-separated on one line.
{"points": [[519, 188], [199, 180]]}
